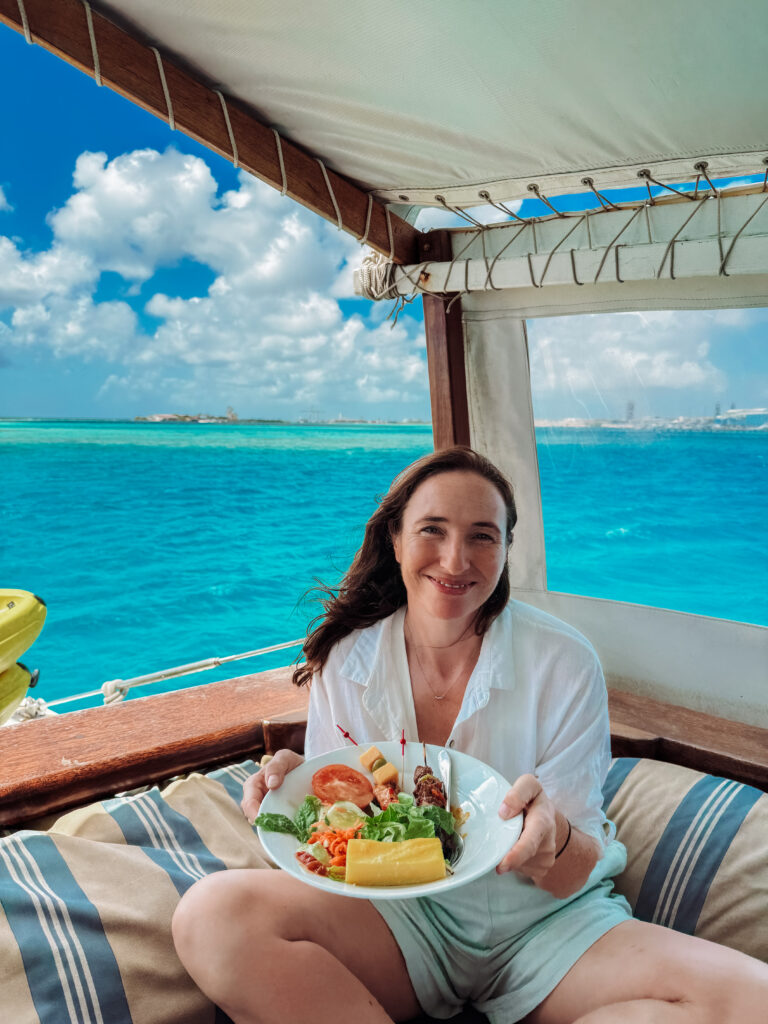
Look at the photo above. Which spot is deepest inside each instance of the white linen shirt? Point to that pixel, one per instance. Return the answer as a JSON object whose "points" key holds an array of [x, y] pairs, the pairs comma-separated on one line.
{"points": [[536, 702]]}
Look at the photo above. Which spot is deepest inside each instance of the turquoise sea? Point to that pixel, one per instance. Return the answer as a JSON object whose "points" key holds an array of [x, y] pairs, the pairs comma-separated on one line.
{"points": [[154, 545]]}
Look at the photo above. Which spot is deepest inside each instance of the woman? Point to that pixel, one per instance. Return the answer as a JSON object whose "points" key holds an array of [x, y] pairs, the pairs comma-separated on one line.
{"points": [[422, 636]]}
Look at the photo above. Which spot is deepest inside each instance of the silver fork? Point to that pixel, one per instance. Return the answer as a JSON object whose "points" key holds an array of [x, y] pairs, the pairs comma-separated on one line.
{"points": [[454, 845]]}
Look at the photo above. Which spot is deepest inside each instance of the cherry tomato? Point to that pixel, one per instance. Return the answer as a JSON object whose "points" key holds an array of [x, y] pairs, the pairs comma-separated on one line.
{"points": [[338, 782]]}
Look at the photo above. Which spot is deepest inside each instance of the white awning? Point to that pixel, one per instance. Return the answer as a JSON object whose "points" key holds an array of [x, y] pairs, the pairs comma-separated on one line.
{"points": [[453, 98]]}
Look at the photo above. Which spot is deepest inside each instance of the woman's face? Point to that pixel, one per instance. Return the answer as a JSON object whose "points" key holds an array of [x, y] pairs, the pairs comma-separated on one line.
{"points": [[452, 544]]}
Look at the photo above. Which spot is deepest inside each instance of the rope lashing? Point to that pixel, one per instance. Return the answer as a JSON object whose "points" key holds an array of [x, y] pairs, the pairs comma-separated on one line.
{"points": [[459, 213], [232, 143], [614, 240], [364, 237], [281, 162], [519, 232], [533, 187], [390, 233], [377, 277], [646, 174], [604, 201], [339, 222], [24, 21], [702, 166], [552, 252], [751, 217], [530, 271], [500, 206], [166, 92], [573, 268], [673, 239], [94, 48]]}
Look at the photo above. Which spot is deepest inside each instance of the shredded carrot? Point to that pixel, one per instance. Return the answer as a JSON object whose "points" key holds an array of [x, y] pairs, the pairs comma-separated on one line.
{"points": [[335, 840]]}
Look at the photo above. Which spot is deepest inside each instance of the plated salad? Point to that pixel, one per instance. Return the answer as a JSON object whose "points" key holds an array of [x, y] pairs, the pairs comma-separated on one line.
{"points": [[362, 832]]}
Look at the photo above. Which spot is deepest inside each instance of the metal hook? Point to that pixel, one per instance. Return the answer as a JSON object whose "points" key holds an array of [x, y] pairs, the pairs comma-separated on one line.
{"points": [[616, 250], [573, 268], [530, 271]]}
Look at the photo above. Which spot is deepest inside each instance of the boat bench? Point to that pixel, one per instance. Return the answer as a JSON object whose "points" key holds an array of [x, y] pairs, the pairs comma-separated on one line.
{"points": [[87, 893]]}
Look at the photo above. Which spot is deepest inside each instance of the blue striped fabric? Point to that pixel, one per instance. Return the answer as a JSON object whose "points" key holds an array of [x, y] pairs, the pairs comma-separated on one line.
{"points": [[166, 836], [691, 850], [233, 778], [72, 972], [617, 773]]}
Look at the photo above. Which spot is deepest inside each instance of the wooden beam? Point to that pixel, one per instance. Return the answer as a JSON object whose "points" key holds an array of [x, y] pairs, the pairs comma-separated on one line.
{"points": [[51, 764], [445, 353], [643, 727], [130, 68]]}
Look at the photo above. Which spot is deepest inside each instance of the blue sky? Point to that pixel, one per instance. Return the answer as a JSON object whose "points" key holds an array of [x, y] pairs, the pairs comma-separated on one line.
{"points": [[140, 273]]}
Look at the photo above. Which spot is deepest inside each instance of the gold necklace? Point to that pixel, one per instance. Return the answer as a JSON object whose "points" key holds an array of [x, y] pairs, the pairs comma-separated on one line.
{"points": [[445, 693]]}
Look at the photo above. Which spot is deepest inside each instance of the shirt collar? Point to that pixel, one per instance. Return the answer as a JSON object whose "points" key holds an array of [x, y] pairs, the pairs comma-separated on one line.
{"points": [[377, 662]]}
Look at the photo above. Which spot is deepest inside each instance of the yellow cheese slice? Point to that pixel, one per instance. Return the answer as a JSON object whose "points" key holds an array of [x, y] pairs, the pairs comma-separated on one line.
{"points": [[410, 862]]}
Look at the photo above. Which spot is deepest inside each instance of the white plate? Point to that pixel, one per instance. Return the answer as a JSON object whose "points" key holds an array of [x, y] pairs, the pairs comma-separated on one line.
{"points": [[477, 789]]}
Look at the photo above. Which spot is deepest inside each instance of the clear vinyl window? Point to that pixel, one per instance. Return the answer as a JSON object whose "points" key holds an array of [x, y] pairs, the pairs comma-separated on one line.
{"points": [[652, 438]]}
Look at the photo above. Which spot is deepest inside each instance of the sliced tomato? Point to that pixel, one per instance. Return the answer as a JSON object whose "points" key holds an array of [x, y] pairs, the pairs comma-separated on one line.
{"points": [[338, 782], [311, 863]]}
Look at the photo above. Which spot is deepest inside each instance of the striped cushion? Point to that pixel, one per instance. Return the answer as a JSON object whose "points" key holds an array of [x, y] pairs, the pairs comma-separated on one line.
{"points": [[696, 848], [86, 904]]}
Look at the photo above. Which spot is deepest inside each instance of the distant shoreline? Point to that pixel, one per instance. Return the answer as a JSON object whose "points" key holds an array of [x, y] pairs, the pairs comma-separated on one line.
{"points": [[737, 420]]}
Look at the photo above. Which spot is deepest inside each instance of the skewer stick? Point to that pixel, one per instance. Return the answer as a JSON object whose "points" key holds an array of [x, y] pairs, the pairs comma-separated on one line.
{"points": [[402, 775], [346, 735]]}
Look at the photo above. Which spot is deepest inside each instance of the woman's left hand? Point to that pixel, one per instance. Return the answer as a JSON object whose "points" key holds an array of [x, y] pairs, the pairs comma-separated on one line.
{"points": [[534, 852]]}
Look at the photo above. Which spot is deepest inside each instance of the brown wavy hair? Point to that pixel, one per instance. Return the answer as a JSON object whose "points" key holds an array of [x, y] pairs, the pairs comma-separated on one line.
{"points": [[373, 587]]}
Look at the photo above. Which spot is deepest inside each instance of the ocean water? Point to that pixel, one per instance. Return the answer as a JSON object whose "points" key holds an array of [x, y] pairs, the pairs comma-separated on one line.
{"points": [[154, 545]]}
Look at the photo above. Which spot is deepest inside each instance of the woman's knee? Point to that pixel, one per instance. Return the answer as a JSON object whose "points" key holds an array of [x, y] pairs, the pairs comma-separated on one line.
{"points": [[214, 917]]}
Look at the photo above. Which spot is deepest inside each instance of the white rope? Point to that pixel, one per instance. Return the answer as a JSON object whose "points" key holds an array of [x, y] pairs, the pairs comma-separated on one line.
{"points": [[94, 48], [390, 233], [116, 689], [233, 144], [24, 21], [364, 239], [339, 222], [377, 277], [282, 162], [166, 93]]}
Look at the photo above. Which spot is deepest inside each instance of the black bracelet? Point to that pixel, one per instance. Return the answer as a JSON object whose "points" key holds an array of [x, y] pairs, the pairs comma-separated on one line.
{"points": [[567, 840]]}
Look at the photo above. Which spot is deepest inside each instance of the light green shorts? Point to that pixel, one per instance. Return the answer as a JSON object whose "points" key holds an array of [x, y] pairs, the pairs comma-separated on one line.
{"points": [[499, 942]]}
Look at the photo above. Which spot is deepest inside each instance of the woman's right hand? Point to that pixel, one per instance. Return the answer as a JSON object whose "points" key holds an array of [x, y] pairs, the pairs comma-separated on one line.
{"points": [[268, 777]]}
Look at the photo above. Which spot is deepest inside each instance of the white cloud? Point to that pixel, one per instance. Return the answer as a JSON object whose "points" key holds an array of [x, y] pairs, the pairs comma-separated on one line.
{"points": [[605, 360], [4, 204], [268, 336]]}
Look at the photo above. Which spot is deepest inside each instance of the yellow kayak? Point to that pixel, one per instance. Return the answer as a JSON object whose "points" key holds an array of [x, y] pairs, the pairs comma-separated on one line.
{"points": [[21, 618], [14, 683]]}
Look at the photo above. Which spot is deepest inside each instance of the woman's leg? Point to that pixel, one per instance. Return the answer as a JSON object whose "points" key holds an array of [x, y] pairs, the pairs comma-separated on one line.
{"points": [[265, 947], [640, 973]]}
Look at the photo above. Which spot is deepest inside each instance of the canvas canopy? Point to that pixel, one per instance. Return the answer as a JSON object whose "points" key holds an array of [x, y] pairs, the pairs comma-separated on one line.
{"points": [[453, 98]]}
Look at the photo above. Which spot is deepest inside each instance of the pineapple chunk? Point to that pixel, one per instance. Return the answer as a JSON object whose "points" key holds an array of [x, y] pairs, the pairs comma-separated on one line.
{"points": [[387, 773], [370, 757]]}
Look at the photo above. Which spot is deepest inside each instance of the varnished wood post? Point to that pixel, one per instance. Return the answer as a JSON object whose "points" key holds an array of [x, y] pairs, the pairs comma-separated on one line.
{"points": [[445, 354]]}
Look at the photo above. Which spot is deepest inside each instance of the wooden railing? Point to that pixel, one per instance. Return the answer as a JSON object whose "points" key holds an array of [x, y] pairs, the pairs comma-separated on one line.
{"points": [[51, 764]]}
